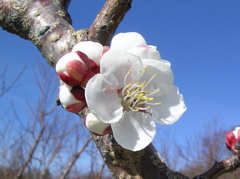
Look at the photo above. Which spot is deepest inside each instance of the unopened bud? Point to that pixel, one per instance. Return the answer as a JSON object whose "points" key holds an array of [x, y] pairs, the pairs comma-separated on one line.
{"points": [[233, 140], [97, 127], [72, 98]]}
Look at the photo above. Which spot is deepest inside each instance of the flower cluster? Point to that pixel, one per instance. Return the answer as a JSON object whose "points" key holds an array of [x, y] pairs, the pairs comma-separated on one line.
{"points": [[74, 70], [127, 87], [233, 140], [133, 91]]}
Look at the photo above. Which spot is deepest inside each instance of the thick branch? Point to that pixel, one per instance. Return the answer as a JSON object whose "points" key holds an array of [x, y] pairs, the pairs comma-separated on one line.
{"points": [[123, 163], [108, 20], [45, 23]]}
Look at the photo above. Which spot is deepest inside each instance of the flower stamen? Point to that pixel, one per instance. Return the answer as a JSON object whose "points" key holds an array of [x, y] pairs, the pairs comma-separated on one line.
{"points": [[135, 97]]}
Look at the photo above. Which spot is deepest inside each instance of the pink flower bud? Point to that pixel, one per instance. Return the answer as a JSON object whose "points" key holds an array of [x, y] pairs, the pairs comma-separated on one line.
{"points": [[95, 126], [231, 138], [77, 67], [72, 98]]}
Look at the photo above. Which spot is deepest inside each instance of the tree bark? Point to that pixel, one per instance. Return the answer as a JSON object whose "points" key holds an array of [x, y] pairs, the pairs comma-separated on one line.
{"points": [[47, 24]]}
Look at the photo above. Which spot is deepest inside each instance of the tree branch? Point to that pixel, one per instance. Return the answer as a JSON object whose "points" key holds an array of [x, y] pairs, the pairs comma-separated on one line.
{"points": [[46, 23], [228, 165], [124, 163], [75, 157], [108, 20]]}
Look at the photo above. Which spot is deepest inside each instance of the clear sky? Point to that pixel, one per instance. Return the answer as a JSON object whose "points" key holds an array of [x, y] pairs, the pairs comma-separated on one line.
{"points": [[200, 38]]}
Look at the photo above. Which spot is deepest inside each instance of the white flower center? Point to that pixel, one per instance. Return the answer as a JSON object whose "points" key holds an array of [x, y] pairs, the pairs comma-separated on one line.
{"points": [[135, 97]]}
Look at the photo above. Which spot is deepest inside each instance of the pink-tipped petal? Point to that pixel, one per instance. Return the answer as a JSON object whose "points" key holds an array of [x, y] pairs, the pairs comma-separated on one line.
{"points": [[93, 50], [68, 80], [230, 140], [238, 137], [94, 68], [76, 107], [77, 70]]}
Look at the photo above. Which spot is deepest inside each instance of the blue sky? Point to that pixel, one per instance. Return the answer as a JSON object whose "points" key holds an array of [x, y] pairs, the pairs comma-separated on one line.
{"points": [[200, 38]]}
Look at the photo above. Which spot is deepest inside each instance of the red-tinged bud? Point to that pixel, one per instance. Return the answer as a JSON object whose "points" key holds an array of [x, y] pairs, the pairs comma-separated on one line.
{"points": [[96, 126], [76, 107], [77, 67], [230, 140], [78, 92], [77, 70], [93, 50], [233, 140], [72, 98], [88, 62], [93, 66], [68, 80]]}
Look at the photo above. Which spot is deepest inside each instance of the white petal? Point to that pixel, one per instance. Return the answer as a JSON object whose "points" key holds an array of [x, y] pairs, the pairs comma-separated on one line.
{"points": [[134, 131], [66, 96], [61, 64], [235, 132], [95, 125], [127, 40], [162, 70], [172, 106], [146, 52], [102, 100], [115, 64], [93, 50]]}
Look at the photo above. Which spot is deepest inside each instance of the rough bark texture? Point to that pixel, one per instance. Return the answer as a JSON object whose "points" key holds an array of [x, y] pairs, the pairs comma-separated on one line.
{"points": [[123, 163], [48, 25]]}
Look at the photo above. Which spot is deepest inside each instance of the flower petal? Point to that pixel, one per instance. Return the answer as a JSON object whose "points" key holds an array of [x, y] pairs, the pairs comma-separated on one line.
{"points": [[162, 70], [93, 50], [96, 126], [230, 140], [236, 132], [134, 131], [146, 52], [66, 96], [115, 64], [172, 104], [61, 64], [72, 102], [127, 41], [102, 99]]}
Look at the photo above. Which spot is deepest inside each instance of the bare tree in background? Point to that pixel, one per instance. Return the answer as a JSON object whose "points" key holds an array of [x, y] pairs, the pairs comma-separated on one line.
{"points": [[40, 144], [48, 25], [5, 84], [203, 149]]}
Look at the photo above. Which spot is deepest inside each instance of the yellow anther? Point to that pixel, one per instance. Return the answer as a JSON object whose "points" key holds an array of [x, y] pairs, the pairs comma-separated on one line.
{"points": [[157, 90], [130, 84], [149, 107], [144, 97], [130, 71], [146, 92], [140, 71], [137, 110], [155, 75], [145, 69], [150, 99], [159, 103]]}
